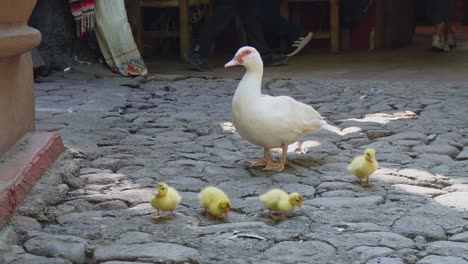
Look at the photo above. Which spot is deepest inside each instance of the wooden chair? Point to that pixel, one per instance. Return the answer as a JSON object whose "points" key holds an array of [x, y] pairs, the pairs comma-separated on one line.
{"points": [[184, 22], [334, 32]]}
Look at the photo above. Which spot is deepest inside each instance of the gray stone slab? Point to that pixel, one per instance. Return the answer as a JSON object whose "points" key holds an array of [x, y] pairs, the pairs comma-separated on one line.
{"points": [[301, 252], [458, 200], [61, 246], [412, 226], [433, 259], [157, 251], [438, 149], [328, 202]]}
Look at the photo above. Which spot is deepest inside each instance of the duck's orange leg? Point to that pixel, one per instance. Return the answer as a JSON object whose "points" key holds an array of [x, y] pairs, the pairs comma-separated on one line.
{"points": [[262, 162], [278, 166]]}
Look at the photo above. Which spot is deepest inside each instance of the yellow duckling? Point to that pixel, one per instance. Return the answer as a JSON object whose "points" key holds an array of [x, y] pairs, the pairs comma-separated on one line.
{"points": [[215, 202], [363, 166], [279, 200], [166, 199]]}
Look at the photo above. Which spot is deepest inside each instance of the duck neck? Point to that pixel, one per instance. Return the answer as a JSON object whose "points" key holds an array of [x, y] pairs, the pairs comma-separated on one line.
{"points": [[286, 205], [251, 84]]}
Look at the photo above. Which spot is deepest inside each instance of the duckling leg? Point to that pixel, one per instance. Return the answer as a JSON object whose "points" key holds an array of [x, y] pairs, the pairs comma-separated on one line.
{"points": [[272, 215], [170, 215], [278, 166], [281, 217], [366, 184], [264, 161], [209, 215], [156, 215]]}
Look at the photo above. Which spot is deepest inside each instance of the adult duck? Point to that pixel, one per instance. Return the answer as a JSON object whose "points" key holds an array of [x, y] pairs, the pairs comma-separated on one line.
{"points": [[268, 121]]}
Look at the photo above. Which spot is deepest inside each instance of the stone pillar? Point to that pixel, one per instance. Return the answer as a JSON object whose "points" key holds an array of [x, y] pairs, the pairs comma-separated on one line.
{"points": [[16, 71]]}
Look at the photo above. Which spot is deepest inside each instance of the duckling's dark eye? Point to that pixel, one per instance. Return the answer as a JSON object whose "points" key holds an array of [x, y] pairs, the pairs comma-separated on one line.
{"points": [[162, 188], [298, 201]]}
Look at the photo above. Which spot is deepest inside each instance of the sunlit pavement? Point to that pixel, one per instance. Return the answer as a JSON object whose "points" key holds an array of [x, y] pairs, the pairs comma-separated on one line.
{"points": [[93, 204]]}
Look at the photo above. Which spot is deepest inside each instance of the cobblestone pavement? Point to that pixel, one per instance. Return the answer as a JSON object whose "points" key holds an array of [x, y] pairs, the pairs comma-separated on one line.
{"points": [[92, 205]]}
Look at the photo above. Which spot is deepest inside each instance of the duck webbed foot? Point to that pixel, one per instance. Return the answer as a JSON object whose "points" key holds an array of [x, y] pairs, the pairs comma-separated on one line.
{"points": [[277, 166], [262, 162], [274, 167], [256, 163]]}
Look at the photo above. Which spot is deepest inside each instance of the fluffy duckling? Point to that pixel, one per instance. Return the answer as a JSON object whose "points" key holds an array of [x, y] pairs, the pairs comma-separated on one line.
{"points": [[215, 202], [363, 166], [279, 200], [166, 199]]}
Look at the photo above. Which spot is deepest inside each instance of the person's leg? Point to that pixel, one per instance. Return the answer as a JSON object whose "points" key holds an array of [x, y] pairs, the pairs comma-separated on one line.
{"points": [[275, 23], [224, 12], [441, 17], [450, 34], [272, 21], [251, 14], [253, 27]]}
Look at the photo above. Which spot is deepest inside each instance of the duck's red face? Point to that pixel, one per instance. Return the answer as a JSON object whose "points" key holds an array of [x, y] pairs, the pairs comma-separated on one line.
{"points": [[239, 58]]}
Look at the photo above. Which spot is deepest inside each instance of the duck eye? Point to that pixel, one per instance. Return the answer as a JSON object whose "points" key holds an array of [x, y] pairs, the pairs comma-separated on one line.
{"points": [[247, 52], [297, 201]]}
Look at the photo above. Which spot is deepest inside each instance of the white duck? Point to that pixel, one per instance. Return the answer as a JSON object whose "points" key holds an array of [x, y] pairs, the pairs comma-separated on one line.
{"points": [[268, 121]]}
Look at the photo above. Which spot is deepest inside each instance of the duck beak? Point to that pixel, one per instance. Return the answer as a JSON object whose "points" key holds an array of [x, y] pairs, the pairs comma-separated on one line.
{"points": [[156, 192], [226, 216], [373, 160], [234, 62], [300, 206]]}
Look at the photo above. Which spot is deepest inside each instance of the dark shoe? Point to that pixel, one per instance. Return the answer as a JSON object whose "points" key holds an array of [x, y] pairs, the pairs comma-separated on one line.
{"points": [[198, 62], [298, 44], [274, 60]]}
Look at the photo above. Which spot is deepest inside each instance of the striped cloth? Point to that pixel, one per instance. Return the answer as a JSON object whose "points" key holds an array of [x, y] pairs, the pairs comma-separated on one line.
{"points": [[83, 11]]}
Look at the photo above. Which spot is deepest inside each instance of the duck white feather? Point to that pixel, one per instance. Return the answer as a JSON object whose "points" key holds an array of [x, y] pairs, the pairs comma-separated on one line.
{"points": [[268, 121]]}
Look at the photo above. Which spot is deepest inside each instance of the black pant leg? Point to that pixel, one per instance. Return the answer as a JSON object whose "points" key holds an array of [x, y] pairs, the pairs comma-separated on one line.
{"points": [[251, 15], [273, 22], [441, 10], [224, 12]]}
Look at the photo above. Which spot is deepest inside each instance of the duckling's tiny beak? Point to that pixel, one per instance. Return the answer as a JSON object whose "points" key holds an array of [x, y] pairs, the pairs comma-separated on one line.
{"points": [[373, 160], [156, 192], [300, 206], [226, 216]]}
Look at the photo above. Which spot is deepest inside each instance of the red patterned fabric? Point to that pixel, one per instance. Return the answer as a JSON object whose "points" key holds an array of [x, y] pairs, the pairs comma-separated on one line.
{"points": [[83, 11]]}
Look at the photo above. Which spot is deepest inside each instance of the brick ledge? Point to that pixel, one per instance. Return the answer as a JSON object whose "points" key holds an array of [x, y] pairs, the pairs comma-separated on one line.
{"points": [[22, 166]]}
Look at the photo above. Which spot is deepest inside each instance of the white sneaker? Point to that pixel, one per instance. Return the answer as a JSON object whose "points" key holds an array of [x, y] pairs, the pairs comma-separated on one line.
{"points": [[298, 44], [437, 43], [451, 41]]}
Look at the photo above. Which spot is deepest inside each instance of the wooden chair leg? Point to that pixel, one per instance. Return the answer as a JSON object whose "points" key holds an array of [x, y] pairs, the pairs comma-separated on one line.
{"points": [[184, 15], [334, 26]]}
